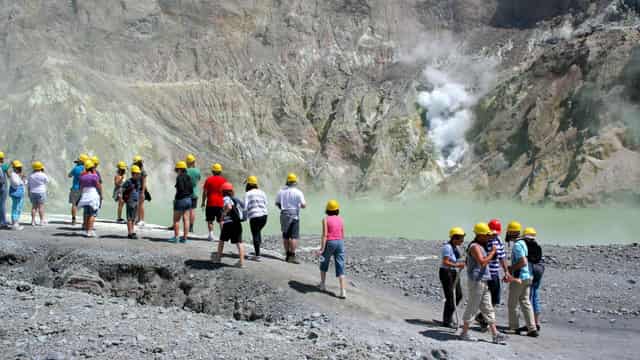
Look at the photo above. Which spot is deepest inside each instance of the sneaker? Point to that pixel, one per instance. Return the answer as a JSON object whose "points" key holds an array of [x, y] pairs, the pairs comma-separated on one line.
{"points": [[33, 223], [538, 327], [239, 264], [73, 222], [215, 258], [467, 337], [257, 258], [500, 338], [294, 260], [44, 223], [343, 294], [141, 224], [91, 234], [120, 221], [533, 333], [322, 287], [173, 240], [18, 227], [210, 237], [183, 240]]}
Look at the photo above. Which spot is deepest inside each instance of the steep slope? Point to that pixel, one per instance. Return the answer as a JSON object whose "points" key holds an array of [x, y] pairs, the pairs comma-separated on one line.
{"points": [[319, 87]]}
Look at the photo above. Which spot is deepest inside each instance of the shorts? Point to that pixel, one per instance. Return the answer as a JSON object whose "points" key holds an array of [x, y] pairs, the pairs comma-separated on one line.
{"points": [[213, 213], [333, 248], [132, 211], [182, 205], [38, 199], [74, 197], [117, 193], [89, 211], [194, 203], [231, 232], [290, 226]]}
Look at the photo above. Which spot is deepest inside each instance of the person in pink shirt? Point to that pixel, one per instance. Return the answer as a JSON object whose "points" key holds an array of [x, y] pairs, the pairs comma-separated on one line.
{"points": [[332, 244]]}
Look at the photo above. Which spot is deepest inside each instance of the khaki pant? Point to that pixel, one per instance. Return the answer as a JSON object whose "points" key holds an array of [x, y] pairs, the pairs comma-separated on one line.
{"points": [[479, 299], [519, 294]]}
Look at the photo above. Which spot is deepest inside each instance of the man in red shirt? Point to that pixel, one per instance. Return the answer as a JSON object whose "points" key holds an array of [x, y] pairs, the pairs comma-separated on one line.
{"points": [[212, 199]]}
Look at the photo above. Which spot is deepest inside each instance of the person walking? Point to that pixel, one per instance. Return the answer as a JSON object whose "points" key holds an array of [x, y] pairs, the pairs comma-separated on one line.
{"points": [[450, 266], [212, 199], [130, 196], [182, 203], [194, 174], [4, 179], [290, 200], [37, 184], [144, 193], [91, 198], [332, 245], [255, 202], [479, 297], [497, 263], [233, 217], [16, 192], [519, 289], [118, 182], [74, 193]]}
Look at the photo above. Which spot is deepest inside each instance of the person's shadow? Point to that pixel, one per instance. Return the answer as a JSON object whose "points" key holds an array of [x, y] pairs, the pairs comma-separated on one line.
{"points": [[308, 289], [204, 265], [436, 331]]}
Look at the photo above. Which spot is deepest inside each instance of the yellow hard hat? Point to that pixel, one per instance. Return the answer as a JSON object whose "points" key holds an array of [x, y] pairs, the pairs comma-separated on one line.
{"points": [[89, 164], [83, 157], [333, 205], [137, 159], [456, 231], [482, 229], [37, 165], [530, 232], [96, 160], [135, 169], [190, 159], [122, 165], [216, 167], [181, 165], [1, 155], [252, 180], [514, 226], [292, 178], [16, 163]]}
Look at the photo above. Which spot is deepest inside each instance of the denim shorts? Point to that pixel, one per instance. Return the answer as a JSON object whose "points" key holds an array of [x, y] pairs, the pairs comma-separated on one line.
{"points": [[333, 248], [37, 199], [182, 205], [89, 211]]}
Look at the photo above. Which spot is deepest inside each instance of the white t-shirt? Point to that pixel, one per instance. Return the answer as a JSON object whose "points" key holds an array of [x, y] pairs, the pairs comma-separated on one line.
{"points": [[16, 180], [290, 199], [38, 182], [255, 202]]}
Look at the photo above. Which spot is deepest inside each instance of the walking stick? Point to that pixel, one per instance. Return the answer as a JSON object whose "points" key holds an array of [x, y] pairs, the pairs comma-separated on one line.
{"points": [[455, 300]]}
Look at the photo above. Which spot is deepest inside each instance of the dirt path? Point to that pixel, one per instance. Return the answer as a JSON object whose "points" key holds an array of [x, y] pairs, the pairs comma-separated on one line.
{"points": [[371, 312]]}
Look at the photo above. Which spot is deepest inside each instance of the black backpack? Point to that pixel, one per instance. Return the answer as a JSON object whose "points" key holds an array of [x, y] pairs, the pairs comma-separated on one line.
{"points": [[238, 213], [535, 251]]}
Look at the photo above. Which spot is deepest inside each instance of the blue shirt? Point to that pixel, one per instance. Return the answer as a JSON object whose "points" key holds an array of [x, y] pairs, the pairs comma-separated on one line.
{"points": [[448, 252], [494, 265], [518, 252], [75, 173]]}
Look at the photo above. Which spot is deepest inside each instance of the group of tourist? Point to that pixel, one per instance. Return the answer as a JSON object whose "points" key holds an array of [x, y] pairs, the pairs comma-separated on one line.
{"points": [[485, 258]]}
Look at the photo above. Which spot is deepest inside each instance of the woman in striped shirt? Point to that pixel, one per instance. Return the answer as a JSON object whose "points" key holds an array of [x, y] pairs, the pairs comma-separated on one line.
{"points": [[256, 207]]}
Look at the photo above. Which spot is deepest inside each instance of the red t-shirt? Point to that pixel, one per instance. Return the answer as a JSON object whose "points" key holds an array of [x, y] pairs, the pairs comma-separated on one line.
{"points": [[213, 187]]}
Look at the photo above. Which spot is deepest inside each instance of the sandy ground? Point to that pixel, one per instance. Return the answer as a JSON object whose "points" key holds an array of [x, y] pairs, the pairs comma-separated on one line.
{"points": [[383, 311]]}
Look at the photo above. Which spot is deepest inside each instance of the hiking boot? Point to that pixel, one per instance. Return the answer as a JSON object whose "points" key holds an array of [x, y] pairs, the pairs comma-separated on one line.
{"points": [[533, 333], [215, 258], [294, 260], [322, 287], [500, 338], [239, 264], [183, 240], [173, 240], [73, 221], [467, 337], [538, 327], [257, 258], [120, 221]]}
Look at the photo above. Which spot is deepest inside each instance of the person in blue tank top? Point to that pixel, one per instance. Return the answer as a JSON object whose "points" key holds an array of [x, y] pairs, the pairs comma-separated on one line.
{"points": [[479, 296], [519, 287]]}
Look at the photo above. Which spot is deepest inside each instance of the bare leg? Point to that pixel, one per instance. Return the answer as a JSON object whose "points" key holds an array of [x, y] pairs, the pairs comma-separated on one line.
{"points": [[120, 206], [293, 245], [141, 211], [90, 221], [129, 227], [176, 223], [241, 253], [41, 212], [185, 222], [342, 281], [323, 276], [34, 210], [192, 216], [220, 249], [74, 212]]}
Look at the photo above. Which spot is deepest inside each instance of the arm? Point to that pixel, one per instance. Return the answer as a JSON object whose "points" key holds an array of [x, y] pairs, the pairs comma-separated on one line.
{"points": [[303, 202], [204, 197], [323, 238], [447, 262], [482, 260], [520, 264]]}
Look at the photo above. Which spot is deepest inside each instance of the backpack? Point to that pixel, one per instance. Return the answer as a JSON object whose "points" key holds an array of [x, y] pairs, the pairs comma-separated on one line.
{"points": [[535, 252], [238, 213], [128, 187]]}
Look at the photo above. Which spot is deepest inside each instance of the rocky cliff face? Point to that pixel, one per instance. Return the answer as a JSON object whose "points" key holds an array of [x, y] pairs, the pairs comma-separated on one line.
{"points": [[324, 88]]}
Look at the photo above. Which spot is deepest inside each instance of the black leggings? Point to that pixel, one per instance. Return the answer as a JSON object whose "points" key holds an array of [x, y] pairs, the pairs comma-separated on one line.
{"points": [[257, 224], [448, 280]]}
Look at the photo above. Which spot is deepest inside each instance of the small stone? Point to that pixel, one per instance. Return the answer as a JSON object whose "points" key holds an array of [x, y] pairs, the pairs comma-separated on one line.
{"points": [[573, 310], [316, 315], [631, 281], [571, 321], [312, 335], [157, 350], [612, 321], [439, 354], [23, 287]]}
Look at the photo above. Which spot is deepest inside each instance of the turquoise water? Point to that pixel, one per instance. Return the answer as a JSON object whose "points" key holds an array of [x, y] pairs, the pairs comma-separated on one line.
{"points": [[430, 218]]}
